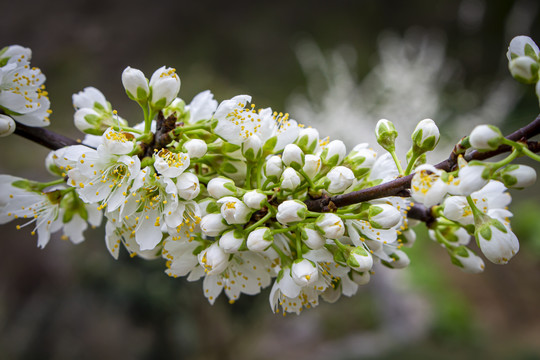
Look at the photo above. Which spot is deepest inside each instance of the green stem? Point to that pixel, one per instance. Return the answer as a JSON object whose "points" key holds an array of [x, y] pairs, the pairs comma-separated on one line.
{"points": [[530, 154], [396, 160], [298, 243], [515, 153], [284, 258], [248, 175], [265, 218], [340, 245], [411, 163], [307, 178]]}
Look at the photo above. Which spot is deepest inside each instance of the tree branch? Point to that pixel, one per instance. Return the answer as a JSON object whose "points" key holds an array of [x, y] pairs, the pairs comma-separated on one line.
{"points": [[400, 186], [44, 137]]}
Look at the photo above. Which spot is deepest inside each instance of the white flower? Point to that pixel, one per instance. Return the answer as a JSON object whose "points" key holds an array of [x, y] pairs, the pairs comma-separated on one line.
{"points": [[291, 211], [304, 272], [399, 260], [290, 296], [497, 242], [237, 122], [426, 135], [290, 179], [312, 238], [293, 156], [340, 179], [22, 89], [308, 140], [220, 187], [386, 134], [45, 210], [7, 125], [259, 239], [524, 69], [518, 176], [154, 203], [170, 164], [86, 119], [427, 186], [231, 241], [188, 186], [384, 216], [135, 84], [196, 148], [360, 278], [330, 225], [201, 107], [522, 46], [164, 85], [254, 199], [467, 260], [213, 224], [333, 153], [360, 260], [234, 211], [117, 143], [213, 259], [312, 165], [485, 137]]}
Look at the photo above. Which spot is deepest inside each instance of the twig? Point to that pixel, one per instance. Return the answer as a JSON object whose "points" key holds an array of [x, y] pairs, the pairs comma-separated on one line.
{"points": [[44, 137]]}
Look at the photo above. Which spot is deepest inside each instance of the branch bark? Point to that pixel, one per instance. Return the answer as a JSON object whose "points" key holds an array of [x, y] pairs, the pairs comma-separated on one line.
{"points": [[44, 137]]}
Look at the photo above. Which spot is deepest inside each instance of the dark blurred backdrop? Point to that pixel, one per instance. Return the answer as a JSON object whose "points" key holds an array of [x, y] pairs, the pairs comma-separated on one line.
{"points": [[71, 301]]}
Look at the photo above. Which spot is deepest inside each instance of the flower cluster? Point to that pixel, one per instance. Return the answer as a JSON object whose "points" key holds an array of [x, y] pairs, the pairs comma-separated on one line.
{"points": [[22, 91], [220, 191]]}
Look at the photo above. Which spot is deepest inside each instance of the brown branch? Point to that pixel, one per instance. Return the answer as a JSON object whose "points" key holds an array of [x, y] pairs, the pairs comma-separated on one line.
{"points": [[401, 185], [44, 137]]}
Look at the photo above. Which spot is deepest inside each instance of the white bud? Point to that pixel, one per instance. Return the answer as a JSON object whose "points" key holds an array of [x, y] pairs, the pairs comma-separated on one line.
{"points": [[91, 98], [456, 208], [340, 179], [361, 159], [471, 179], [308, 139], [208, 206], [467, 260], [188, 186], [86, 119], [7, 125], [360, 278], [290, 179], [293, 156], [383, 216], [259, 239], [213, 259], [252, 148], [524, 69], [518, 176], [312, 165], [360, 260], [254, 199], [165, 85], [400, 260], [330, 225], [135, 84], [485, 137], [334, 153], [312, 238], [231, 241], [291, 211], [273, 168], [213, 224], [304, 272], [426, 135], [234, 211], [522, 46], [408, 237], [497, 242], [386, 134], [220, 187], [196, 148]]}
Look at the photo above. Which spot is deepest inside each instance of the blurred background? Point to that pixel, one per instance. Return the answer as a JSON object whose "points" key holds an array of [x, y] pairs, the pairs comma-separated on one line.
{"points": [[338, 66]]}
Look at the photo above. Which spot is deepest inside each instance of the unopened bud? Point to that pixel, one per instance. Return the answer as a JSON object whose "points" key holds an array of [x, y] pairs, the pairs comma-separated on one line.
{"points": [[135, 84], [7, 125], [386, 134]]}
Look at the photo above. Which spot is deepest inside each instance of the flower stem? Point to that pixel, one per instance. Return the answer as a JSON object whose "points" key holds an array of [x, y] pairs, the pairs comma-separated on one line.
{"points": [[396, 160]]}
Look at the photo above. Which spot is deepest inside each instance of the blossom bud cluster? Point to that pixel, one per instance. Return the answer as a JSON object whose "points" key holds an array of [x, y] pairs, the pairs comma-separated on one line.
{"points": [[524, 61], [222, 192]]}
